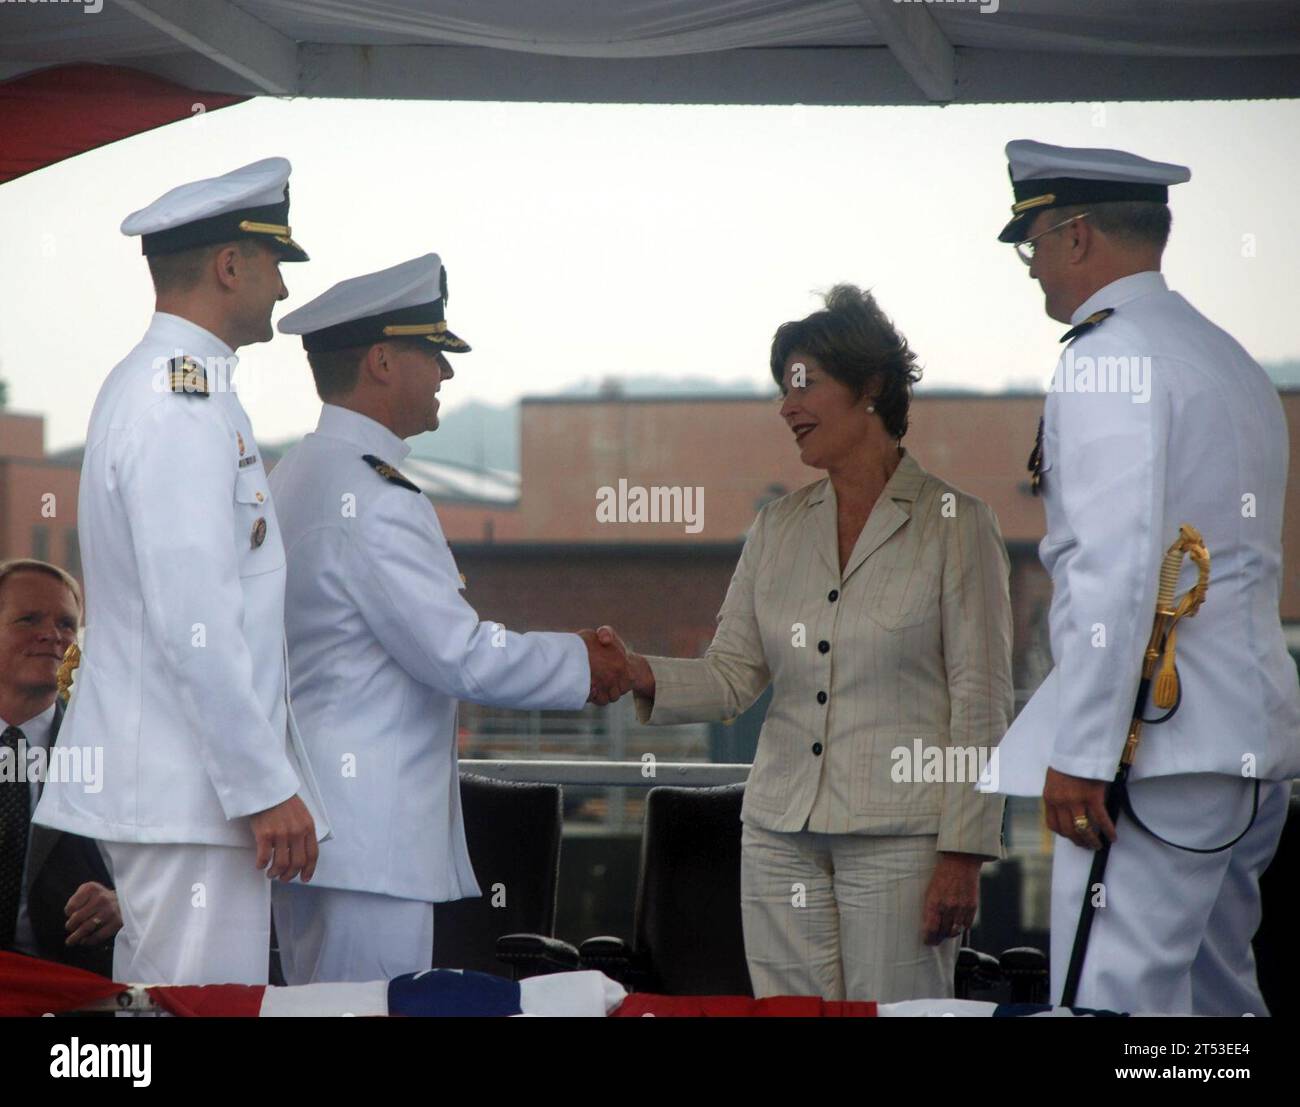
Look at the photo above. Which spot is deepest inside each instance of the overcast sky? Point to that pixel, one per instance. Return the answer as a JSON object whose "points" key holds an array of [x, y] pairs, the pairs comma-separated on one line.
{"points": [[592, 241]]}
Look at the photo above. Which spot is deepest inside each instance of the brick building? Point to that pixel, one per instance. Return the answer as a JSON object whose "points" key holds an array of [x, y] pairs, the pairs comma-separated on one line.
{"points": [[38, 495], [548, 561], [544, 559]]}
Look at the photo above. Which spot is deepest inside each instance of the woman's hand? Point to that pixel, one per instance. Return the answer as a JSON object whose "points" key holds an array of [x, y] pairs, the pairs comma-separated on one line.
{"points": [[642, 676], [952, 897]]}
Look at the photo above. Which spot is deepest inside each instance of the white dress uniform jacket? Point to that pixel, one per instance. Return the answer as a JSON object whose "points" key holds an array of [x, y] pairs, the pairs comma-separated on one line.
{"points": [[1206, 445], [381, 646], [183, 677]]}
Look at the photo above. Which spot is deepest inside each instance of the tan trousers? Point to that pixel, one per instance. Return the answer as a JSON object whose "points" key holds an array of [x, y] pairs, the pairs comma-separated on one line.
{"points": [[839, 916]]}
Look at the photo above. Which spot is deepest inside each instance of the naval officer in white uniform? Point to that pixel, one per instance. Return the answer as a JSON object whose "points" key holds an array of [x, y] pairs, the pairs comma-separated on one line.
{"points": [[382, 643], [1155, 418], [183, 680]]}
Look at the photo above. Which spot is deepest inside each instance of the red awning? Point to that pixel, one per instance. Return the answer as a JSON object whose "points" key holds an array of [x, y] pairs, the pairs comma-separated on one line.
{"points": [[51, 114]]}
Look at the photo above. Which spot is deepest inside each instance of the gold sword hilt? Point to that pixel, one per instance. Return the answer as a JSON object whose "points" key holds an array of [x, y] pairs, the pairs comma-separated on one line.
{"points": [[1164, 692], [1162, 645]]}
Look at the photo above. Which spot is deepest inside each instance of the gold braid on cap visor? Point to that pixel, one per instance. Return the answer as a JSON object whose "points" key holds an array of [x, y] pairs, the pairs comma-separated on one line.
{"points": [[393, 330], [1033, 202], [281, 232]]}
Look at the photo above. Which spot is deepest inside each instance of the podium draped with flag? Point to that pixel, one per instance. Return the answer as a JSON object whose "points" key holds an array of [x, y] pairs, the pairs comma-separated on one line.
{"points": [[31, 987]]}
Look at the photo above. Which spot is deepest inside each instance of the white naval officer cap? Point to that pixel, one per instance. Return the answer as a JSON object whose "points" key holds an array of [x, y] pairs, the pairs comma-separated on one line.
{"points": [[251, 202], [406, 301], [1044, 176]]}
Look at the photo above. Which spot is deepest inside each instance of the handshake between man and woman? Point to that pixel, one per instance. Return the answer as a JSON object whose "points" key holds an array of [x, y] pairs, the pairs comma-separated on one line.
{"points": [[615, 670]]}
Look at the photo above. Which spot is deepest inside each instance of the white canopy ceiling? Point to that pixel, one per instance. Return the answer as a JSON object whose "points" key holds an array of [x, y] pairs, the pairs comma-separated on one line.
{"points": [[680, 51]]}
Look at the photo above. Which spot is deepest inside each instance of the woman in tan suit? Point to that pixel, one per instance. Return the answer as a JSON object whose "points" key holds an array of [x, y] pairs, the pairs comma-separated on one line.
{"points": [[876, 603]]}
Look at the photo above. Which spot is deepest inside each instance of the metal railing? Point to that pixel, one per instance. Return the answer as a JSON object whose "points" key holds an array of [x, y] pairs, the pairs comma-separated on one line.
{"points": [[610, 774]]}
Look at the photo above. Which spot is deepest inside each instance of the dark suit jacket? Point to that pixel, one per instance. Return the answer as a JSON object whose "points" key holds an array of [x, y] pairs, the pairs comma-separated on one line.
{"points": [[58, 864]]}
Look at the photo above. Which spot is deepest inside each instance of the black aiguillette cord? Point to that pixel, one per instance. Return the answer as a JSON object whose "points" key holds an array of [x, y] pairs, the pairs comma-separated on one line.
{"points": [[1127, 802]]}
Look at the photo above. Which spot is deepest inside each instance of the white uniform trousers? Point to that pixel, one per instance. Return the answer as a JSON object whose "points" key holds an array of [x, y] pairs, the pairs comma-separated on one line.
{"points": [[1174, 934], [839, 916], [191, 914], [330, 934]]}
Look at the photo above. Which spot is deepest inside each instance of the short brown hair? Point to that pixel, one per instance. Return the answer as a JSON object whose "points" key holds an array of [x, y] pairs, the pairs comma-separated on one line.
{"points": [[31, 565], [858, 346], [337, 371], [181, 271]]}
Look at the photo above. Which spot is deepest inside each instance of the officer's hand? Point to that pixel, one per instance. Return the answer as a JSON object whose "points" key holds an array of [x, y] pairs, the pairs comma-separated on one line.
{"points": [[1066, 798], [286, 837], [93, 915], [607, 656]]}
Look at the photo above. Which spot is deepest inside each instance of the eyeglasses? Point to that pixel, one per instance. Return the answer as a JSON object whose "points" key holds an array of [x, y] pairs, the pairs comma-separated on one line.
{"points": [[1025, 248]]}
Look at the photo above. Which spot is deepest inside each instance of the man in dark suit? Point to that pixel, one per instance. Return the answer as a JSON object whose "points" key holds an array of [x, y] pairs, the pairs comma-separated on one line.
{"points": [[56, 896]]}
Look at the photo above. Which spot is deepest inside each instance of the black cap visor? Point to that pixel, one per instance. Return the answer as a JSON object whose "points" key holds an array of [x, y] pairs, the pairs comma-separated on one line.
{"points": [[1063, 192], [268, 224], [421, 321]]}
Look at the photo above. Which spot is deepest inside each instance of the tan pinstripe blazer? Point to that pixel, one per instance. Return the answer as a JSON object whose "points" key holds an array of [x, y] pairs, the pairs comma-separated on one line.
{"points": [[911, 645]]}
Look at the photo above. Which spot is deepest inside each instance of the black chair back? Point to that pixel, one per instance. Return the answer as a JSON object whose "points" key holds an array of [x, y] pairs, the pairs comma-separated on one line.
{"points": [[1026, 975], [513, 831], [688, 897]]}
